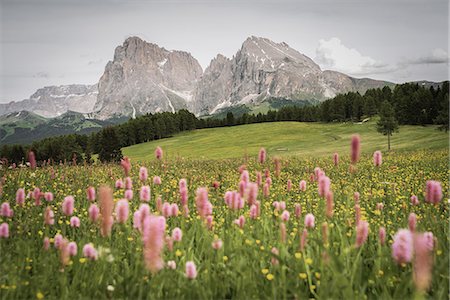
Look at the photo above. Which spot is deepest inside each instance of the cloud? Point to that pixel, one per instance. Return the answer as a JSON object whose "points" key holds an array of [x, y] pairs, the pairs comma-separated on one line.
{"points": [[436, 56], [95, 62], [41, 75], [334, 55]]}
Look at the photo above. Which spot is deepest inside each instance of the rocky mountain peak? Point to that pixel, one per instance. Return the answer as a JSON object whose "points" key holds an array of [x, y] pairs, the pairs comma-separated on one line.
{"points": [[143, 78]]}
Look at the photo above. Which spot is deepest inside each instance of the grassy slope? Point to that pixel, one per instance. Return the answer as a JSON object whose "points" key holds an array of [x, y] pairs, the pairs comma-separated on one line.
{"points": [[287, 138]]}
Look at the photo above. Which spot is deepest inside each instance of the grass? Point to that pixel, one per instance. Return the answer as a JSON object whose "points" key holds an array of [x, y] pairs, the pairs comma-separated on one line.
{"points": [[329, 266], [287, 138]]}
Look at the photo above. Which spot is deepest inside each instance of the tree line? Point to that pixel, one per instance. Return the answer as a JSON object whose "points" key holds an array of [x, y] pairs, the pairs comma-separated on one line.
{"points": [[410, 104]]}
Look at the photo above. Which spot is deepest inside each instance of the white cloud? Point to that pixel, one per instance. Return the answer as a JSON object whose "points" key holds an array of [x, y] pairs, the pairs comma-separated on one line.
{"points": [[334, 55]]}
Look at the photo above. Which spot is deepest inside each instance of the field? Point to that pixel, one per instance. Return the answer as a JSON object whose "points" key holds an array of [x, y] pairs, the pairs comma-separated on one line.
{"points": [[265, 255], [287, 138]]}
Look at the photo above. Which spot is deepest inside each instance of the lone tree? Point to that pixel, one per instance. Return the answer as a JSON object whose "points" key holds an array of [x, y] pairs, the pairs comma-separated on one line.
{"points": [[387, 124]]}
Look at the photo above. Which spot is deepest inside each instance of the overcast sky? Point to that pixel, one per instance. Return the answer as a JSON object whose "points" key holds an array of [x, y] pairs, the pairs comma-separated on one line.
{"points": [[58, 42]]}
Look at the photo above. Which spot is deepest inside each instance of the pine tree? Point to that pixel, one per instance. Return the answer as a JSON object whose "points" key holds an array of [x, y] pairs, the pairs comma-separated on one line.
{"points": [[109, 145], [387, 124]]}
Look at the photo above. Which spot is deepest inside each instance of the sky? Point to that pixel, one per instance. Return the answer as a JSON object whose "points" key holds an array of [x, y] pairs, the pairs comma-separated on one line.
{"points": [[56, 42]]}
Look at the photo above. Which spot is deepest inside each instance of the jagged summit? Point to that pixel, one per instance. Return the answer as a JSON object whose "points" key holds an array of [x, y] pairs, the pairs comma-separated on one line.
{"points": [[144, 78]]}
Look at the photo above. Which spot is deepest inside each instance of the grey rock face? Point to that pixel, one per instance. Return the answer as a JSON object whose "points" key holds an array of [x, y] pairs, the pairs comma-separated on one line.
{"points": [[53, 101], [145, 78], [263, 69]]}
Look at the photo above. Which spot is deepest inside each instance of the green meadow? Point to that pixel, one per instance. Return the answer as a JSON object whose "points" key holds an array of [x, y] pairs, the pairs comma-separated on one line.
{"points": [[287, 138]]}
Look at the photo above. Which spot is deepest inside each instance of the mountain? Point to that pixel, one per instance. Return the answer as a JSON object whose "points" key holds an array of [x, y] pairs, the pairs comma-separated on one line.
{"points": [[53, 101], [25, 127], [143, 78], [263, 69]]}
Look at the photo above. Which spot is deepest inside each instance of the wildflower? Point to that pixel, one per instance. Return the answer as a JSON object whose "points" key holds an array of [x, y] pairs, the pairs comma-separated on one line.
{"points": [[174, 210], [37, 196], [106, 210], [32, 160], [202, 202], [429, 240], [94, 212], [57, 240], [143, 174], [324, 186], [4, 230], [423, 263], [209, 222], [285, 216], [355, 148], [289, 185], [377, 158], [258, 178], [6, 211], [382, 235], [144, 194], [303, 239], [122, 211], [414, 200], [330, 204], [274, 260], [253, 212], [171, 264], [126, 165], [362, 232], [433, 191], [177, 234], [166, 209], [266, 190], [216, 184], [191, 270], [49, 216], [67, 205], [240, 222], [302, 185], [74, 222], [119, 184], [309, 220], [128, 183], [46, 243], [20, 196], [217, 244], [270, 277], [158, 153], [157, 180], [153, 238], [90, 193], [402, 247], [302, 275], [48, 196], [72, 248], [412, 221], [262, 155], [356, 197], [297, 210], [336, 158], [90, 252]]}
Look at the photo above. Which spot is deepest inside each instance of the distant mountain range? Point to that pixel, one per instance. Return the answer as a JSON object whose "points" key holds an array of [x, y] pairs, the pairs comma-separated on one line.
{"points": [[145, 78]]}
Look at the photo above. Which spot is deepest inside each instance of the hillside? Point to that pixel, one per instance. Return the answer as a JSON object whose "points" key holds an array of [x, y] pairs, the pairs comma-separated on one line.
{"points": [[286, 138], [25, 127]]}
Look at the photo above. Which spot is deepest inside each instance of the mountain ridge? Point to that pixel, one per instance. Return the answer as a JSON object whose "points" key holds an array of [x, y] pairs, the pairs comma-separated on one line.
{"points": [[143, 77]]}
